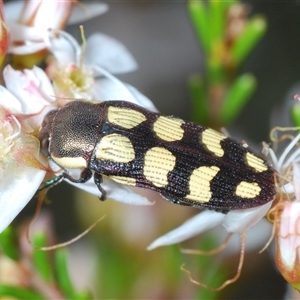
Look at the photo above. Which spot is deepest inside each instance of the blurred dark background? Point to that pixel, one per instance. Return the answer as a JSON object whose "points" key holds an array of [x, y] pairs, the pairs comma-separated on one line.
{"points": [[161, 39]]}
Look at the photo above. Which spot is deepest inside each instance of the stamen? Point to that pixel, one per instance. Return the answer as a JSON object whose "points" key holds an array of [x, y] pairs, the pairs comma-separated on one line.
{"points": [[83, 46], [273, 157], [292, 158], [287, 150]]}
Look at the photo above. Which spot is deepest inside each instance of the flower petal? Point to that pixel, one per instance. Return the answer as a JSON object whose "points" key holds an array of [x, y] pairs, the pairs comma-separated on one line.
{"points": [[80, 13], [19, 32], [204, 221], [31, 87], [288, 239], [16, 193], [34, 37], [239, 221], [9, 101], [112, 88], [114, 190], [87, 10], [109, 53], [141, 99], [64, 47], [29, 48]]}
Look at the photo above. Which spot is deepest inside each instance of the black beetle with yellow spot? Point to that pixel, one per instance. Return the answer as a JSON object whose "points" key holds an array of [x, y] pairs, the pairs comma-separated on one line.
{"points": [[186, 163]]}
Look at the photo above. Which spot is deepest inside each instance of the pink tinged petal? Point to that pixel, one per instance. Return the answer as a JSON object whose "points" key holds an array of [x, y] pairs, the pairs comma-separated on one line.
{"points": [[87, 10], [202, 222], [288, 238], [108, 53], [114, 190], [16, 193], [296, 180], [239, 221], [31, 87], [42, 82]]}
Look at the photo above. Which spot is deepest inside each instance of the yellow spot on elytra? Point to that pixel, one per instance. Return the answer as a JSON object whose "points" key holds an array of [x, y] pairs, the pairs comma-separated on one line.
{"points": [[70, 162], [255, 162], [158, 163], [199, 183], [124, 180], [247, 189], [212, 140], [125, 117], [168, 128], [115, 147]]}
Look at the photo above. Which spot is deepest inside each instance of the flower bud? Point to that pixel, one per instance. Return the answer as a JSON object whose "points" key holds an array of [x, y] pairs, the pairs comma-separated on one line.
{"points": [[288, 244]]}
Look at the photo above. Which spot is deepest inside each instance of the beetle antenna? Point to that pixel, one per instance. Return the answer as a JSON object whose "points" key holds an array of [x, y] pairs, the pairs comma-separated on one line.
{"points": [[211, 252], [229, 281], [71, 241]]}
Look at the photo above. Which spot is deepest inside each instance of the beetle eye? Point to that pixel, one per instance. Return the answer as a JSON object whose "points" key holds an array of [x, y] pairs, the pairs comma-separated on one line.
{"points": [[45, 146]]}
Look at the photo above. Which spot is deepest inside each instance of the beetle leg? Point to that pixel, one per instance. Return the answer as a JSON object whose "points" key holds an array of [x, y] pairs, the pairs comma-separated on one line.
{"points": [[98, 180], [85, 175], [51, 182]]}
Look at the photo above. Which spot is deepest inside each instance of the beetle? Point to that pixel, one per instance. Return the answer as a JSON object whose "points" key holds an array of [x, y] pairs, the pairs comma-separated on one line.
{"points": [[188, 164]]}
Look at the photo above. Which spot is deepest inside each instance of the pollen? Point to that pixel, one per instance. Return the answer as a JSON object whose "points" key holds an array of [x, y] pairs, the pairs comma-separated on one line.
{"points": [[71, 80]]}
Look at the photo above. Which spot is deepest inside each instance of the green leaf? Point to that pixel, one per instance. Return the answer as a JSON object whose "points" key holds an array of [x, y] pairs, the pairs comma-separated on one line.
{"points": [[41, 258], [63, 277], [9, 244], [236, 98], [19, 293], [295, 114], [215, 71], [217, 19], [253, 32], [198, 97], [199, 16]]}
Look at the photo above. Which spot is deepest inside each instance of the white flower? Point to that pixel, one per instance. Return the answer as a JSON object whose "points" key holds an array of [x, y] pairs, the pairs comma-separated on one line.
{"points": [[21, 173], [85, 73], [29, 23]]}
